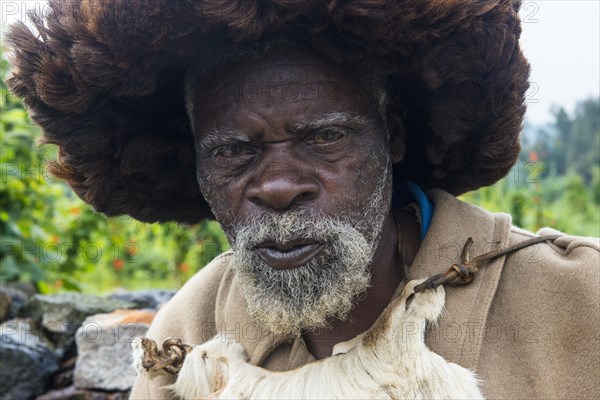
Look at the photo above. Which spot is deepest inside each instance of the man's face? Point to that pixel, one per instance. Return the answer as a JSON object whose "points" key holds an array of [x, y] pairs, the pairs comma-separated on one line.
{"points": [[293, 159]]}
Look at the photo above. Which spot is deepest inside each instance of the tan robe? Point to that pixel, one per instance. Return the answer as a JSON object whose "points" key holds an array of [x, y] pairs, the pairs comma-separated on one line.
{"points": [[528, 324]]}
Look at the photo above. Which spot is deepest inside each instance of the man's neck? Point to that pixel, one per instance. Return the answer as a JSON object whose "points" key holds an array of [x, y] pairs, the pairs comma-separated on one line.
{"points": [[386, 275]]}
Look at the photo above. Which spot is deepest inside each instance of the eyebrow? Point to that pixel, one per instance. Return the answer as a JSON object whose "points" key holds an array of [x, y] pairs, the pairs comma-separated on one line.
{"points": [[216, 136], [336, 118]]}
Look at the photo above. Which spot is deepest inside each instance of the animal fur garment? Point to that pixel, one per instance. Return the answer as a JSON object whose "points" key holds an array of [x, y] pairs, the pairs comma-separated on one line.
{"points": [[104, 80], [390, 361]]}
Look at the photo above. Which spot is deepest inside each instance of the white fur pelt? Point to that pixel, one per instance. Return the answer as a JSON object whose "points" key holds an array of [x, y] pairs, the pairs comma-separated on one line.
{"points": [[390, 361]]}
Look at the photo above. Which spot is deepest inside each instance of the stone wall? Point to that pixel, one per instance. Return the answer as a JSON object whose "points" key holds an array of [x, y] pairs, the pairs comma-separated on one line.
{"points": [[69, 345]]}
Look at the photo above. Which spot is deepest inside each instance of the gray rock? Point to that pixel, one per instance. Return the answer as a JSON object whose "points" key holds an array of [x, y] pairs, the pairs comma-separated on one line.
{"points": [[60, 315], [25, 287], [152, 298], [27, 362], [104, 349], [25, 329], [17, 299], [72, 308]]}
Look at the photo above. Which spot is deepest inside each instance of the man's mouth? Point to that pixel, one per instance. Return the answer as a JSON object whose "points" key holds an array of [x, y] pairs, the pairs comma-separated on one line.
{"points": [[288, 255]]}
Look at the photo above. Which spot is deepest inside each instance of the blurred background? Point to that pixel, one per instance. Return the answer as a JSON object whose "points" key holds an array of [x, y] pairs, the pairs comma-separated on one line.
{"points": [[51, 238]]}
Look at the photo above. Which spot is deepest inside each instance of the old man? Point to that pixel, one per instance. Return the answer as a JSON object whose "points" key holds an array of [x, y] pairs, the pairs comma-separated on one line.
{"points": [[329, 140]]}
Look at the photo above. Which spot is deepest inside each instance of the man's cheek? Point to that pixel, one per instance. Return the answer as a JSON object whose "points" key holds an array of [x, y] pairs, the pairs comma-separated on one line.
{"points": [[213, 183], [219, 200], [220, 204]]}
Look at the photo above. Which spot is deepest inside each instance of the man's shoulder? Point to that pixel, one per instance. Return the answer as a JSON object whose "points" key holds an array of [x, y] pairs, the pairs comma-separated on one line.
{"points": [[567, 251], [542, 326], [559, 277], [190, 314]]}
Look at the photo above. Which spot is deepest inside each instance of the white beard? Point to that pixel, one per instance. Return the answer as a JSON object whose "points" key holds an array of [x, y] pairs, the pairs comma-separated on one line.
{"points": [[290, 301]]}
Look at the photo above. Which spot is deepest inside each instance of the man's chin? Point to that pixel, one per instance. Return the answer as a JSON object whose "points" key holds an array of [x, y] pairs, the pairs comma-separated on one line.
{"points": [[304, 298]]}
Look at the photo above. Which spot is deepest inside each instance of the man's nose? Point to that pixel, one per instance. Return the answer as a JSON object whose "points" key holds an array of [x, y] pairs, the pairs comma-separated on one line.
{"points": [[283, 187]]}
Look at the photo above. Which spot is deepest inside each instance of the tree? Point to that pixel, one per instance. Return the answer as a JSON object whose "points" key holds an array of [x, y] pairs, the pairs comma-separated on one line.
{"points": [[563, 125], [584, 143]]}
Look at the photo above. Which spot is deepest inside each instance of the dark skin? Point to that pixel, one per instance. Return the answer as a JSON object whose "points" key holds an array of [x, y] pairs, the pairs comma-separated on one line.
{"points": [[259, 150]]}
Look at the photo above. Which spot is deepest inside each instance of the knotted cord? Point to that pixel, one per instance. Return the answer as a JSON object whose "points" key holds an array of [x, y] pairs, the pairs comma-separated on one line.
{"points": [[170, 358], [463, 271]]}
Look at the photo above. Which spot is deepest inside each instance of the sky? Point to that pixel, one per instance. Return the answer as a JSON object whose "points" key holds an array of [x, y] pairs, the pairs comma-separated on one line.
{"points": [[561, 40]]}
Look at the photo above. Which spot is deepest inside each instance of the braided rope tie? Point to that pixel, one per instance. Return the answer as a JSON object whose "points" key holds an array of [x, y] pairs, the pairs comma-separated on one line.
{"points": [[170, 358]]}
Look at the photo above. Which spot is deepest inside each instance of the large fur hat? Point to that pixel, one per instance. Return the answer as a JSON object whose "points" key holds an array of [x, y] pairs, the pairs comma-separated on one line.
{"points": [[104, 79]]}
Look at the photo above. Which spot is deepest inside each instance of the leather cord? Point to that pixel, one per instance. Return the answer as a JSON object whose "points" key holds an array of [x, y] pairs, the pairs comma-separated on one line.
{"points": [[463, 271]]}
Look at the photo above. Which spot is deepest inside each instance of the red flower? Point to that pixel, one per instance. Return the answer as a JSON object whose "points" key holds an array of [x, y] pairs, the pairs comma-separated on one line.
{"points": [[533, 156], [184, 267], [118, 264]]}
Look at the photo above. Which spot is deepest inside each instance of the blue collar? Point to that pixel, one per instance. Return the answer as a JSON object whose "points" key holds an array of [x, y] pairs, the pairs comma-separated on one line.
{"points": [[406, 192]]}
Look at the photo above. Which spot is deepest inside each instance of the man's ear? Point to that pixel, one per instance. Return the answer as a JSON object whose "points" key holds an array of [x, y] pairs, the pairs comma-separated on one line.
{"points": [[397, 133]]}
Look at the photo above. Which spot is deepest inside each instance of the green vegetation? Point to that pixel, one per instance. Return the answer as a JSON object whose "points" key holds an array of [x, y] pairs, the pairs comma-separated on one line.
{"points": [[49, 236], [564, 203], [556, 181]]}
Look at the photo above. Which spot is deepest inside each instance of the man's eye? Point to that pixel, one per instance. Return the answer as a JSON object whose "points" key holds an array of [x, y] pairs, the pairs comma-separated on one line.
{"points": [[326, 136], [233, 150]]}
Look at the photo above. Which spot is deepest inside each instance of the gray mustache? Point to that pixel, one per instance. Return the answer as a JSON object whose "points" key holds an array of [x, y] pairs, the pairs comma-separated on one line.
{"points": [[290, 227]]}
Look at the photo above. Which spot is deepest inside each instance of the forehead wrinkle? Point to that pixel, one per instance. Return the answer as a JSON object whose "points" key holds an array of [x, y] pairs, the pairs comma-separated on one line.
{"points": [[328, 120]]}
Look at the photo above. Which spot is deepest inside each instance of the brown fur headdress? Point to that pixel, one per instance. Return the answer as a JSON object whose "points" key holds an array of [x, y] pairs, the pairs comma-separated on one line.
{"points": [[104, 79]]}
